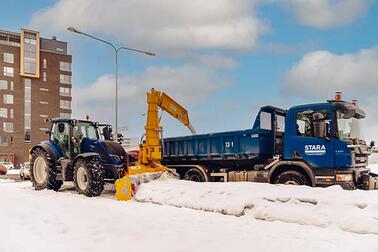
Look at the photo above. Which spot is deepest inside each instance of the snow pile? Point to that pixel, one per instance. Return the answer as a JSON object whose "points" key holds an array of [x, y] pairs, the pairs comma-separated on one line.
{"points": [[352, 211], [13, 172]]}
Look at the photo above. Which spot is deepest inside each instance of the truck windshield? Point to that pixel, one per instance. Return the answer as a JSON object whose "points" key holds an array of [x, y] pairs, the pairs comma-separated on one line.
{"points": [[348, 126], [84, 129]]}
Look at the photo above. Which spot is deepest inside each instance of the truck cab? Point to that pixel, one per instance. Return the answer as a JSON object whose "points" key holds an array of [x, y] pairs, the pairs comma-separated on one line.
{"points": [[328, 138]]}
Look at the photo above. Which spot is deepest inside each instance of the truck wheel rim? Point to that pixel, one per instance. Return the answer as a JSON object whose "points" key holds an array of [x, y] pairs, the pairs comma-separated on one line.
{"points": [[291, 182], [82, 179], [195, 178], [39, 168]]}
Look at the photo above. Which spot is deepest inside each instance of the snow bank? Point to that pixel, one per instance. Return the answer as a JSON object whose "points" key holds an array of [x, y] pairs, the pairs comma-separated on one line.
{"points": [[351, 211], [36, 221], [13, 172]]}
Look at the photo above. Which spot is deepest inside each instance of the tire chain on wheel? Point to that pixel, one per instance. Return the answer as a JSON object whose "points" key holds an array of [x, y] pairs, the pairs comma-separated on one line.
{"points": [[96, 176], [51, 182]]}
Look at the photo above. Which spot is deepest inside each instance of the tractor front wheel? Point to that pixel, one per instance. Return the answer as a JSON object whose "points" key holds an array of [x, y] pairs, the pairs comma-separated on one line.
{"points": [[43, 171], [89, 177]]}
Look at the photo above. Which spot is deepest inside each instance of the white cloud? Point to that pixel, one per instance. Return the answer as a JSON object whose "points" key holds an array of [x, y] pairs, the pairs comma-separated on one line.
{"points": [[324, 14], [173, 24], [319, 74], [187, 84]]}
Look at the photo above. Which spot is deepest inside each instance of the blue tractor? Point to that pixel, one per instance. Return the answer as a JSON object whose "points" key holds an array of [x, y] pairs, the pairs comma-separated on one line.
{"points": [[77, 151]]}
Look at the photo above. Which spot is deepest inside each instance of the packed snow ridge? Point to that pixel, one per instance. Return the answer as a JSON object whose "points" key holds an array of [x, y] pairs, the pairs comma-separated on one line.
{"points": [[351, 211]]}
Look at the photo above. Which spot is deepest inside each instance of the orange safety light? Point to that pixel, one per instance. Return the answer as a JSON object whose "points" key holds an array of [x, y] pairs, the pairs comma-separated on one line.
{"points": [[338, 96]]}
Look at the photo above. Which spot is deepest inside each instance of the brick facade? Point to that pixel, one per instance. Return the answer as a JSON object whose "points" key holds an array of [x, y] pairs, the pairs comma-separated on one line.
{"points": [[45, 95]]}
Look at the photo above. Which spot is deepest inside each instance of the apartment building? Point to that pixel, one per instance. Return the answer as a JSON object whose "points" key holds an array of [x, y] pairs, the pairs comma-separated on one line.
{"points": [[35, 84]]}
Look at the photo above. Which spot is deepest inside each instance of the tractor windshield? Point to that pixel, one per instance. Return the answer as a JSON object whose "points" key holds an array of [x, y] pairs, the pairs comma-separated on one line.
{"points": [[349, 125], [85, 130]]}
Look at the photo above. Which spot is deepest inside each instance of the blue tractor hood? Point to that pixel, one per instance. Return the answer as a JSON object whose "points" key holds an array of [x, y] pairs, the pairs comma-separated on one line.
{"points": [[109, 151]]}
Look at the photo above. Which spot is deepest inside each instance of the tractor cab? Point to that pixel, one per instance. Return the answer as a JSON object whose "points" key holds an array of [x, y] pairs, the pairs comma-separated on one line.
{"points": [[69, 135], [77, 151]]}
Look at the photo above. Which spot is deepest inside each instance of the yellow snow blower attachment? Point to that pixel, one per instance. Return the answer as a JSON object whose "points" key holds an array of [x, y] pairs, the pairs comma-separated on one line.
{"points": [[148, 166]]}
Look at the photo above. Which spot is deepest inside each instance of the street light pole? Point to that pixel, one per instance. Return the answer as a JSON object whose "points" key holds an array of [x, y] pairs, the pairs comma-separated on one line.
{"points": [[116, 50]]}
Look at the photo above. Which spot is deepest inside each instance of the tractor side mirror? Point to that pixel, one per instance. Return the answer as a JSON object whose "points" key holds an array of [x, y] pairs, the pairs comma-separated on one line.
{"points": [[61, 128], [372, 144], [47, 132], [107, 133]]}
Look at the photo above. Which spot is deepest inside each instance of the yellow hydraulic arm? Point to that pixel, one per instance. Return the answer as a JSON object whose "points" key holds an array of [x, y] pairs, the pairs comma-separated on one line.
{"points": [[150, 153]]}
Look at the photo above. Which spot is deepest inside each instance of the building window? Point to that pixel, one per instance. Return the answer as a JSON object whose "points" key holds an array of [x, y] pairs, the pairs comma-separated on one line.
{"points": [[65, 104], [11, 85], [65, 91], [27, 109], [8, 127], [44, 89], [3, 141], [29, 53], [65, 115], [44, 102], [11, 113], [8, 99], [4, 112], [44, 76], [9, 58], [65, 79], [3, 85], [44, 129], [44, 116], [44, 63], [65, 66], [59, 49], [8, 71]]}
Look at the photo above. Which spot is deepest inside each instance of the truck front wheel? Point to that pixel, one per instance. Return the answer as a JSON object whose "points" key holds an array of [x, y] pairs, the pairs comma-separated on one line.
{"points": [[195, 175], [292, 178], [89, 177]]}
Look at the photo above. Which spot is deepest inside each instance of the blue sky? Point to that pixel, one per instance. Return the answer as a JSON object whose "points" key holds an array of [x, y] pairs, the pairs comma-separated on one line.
{"points": [[222, 59]]}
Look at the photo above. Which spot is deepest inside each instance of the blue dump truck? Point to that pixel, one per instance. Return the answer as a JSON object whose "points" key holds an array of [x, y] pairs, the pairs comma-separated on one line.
{"points": [[314, 144]]}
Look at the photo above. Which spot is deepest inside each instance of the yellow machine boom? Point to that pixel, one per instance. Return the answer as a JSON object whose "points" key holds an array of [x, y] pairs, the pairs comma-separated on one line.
{"points": [[150, 154]]}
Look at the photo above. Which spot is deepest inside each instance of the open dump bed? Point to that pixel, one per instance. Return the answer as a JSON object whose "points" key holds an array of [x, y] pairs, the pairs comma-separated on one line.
{"points": [[242, 148]]}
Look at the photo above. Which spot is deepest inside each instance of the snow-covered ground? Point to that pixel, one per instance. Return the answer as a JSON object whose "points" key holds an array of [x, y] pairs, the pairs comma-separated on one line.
{"points": [[13, 172], [189, 217], [374, 168]]}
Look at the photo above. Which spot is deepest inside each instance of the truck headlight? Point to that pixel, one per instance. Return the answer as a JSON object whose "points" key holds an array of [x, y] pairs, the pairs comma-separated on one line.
{"points": [[344, 177]]}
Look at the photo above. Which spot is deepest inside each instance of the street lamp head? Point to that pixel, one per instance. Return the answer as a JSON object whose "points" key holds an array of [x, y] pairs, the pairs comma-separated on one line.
{"points": [[150, 53], [71, 29]]}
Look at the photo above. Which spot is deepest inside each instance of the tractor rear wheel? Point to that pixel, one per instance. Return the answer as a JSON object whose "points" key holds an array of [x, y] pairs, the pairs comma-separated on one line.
{"points": [[89, 177], [43, 171]]}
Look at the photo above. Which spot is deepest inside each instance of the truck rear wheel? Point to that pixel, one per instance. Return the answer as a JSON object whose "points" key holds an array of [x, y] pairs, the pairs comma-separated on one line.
{"points": [[89, 177], [195, 175], [292, 178], [43, 171]]}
